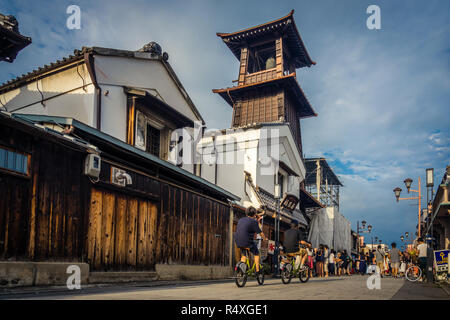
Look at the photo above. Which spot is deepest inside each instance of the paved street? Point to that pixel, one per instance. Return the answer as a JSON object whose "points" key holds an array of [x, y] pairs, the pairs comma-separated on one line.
{"points": [[349, 288]]}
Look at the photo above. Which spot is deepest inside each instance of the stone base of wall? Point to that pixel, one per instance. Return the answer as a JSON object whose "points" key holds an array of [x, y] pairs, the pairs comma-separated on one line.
{"points": [[192, 272], [121, 277], [27, 274], [21, 274]]}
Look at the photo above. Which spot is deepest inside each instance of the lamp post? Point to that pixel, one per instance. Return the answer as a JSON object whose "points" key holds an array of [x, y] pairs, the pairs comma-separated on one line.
{"points": [[430, 193], [397, 191], [277, 228], [361, 229]]}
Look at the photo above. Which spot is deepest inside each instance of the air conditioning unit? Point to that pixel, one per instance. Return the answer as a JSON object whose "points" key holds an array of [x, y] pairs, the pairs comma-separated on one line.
{"points": [[92, 165]]}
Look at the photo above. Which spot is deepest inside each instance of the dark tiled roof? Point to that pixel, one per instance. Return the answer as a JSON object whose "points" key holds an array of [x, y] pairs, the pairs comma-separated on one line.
{"points": [[22, 79]]}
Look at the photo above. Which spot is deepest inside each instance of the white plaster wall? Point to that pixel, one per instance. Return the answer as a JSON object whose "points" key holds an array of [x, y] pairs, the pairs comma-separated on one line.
{"points": [[78, 104], [114, 112], [247, 151], [142, 73], [208, 172]]}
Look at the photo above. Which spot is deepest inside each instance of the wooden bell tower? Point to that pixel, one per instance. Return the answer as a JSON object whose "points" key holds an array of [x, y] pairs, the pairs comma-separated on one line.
{"points": [[267, 90]]}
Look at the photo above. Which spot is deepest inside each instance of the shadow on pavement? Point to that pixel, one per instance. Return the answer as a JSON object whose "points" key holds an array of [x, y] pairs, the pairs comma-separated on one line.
{"points": [[420, 291]]}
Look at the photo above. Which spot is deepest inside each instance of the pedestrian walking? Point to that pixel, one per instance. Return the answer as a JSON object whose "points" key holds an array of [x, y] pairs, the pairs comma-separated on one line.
{"points": [[326, 262], [362, 264], [339, 262], [319, 261], [332, 265], [394, 255], [344, 258], [379, 258], [422, 248]]}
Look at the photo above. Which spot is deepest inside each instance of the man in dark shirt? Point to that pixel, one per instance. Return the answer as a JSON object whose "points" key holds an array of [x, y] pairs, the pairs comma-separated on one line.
{"points": [[292, 238], [246, 229]]}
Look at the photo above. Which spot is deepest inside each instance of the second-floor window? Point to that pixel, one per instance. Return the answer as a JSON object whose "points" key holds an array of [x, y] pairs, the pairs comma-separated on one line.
{"points": [[151, 135], [153, 140]]}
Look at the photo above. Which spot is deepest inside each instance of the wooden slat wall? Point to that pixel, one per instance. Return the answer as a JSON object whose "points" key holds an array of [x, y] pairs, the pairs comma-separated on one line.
{"points": [[258, 106], [57, 214], [13, 224], [59, 218], [133, 233], [41, 216], [294, 122], [191, 229], [121, 232]]}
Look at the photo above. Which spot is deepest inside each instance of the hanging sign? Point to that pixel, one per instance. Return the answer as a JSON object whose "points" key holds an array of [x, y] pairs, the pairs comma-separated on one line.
{"points": [[271, 247], [289, 202]]}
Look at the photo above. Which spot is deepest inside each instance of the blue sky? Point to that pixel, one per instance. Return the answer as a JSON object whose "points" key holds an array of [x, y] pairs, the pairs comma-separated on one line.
{"points": [[382, 96]]}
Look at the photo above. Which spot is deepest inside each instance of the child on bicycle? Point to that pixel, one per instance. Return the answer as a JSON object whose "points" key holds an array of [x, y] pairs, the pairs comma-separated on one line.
{"points": [[295, 242]]}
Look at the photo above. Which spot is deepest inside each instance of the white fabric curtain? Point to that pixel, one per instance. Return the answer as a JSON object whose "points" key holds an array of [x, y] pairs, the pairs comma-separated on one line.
{"points": [[331, 228]]}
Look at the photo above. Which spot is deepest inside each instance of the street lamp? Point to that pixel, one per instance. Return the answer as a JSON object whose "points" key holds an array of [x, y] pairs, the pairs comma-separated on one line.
{"points": [[408, 182], [362, 229], [397, 191]]}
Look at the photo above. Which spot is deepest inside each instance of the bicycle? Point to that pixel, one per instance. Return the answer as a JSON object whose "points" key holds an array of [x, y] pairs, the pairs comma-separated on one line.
{"points": [[413, 272], [288, 271], [243, 270]]}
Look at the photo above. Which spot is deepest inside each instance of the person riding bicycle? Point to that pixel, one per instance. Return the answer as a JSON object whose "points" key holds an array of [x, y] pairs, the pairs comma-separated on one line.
{"points": [[295, 243], [246, 229]]}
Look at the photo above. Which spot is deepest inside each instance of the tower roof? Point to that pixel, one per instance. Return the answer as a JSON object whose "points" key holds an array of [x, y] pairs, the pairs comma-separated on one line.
{"points": [[285, 25], [304, 107]]}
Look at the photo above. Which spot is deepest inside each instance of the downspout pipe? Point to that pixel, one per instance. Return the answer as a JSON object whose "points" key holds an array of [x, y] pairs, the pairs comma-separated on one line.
{"points": [[89, 60]]}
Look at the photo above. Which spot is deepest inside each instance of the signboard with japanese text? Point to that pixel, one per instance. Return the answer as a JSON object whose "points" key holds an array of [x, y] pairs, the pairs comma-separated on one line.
{"points": [[441, 260]]}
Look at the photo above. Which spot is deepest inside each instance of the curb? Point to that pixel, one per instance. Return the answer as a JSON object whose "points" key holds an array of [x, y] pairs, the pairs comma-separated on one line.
{"points": [[91, 288]]}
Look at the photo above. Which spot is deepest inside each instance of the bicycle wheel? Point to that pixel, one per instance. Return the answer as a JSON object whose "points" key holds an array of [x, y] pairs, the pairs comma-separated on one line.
{"points": [[260, 276], [286, 273], [240, 274], [303, 274], [413, 273]]}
